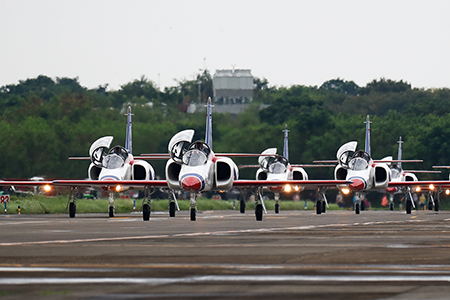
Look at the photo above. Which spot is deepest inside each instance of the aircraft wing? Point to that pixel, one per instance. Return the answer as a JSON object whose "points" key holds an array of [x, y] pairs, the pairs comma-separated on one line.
{"points": [[422, 184], [133, 183], [24, 182], [303, 183], [313, 165]]}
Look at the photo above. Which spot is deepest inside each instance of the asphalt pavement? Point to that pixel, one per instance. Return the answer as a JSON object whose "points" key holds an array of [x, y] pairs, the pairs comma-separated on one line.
{"points": [[227, 255]]}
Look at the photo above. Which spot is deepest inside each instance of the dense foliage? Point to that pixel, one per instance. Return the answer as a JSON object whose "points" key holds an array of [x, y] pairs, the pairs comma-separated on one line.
{"points": [[44, 121]]}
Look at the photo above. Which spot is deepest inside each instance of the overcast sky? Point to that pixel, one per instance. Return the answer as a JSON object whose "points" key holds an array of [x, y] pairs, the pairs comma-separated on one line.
{"points": [[287, 42]]}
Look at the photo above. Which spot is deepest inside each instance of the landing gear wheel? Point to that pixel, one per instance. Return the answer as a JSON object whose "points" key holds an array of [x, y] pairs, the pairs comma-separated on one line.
{"points": [[363, 205], [111, 211], [146, 212], [324, 207], [259, 212], [277, 208], [193, 214], [242, 206], [357, 208], [318, 207], [172, 209], [72, 209], [391, 206], [408, 207], [436, 205], [430, 205]]}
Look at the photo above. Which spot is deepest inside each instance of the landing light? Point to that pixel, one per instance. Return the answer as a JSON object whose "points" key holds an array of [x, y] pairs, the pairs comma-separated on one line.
{"points": [[345, 191], [418, 189], [447, 192], [431, 187], [47, 188], [287, 188], [296, 188], [118, 188]]}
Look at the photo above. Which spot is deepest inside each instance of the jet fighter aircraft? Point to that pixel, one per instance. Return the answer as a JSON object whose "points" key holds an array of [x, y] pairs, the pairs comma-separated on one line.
{"points": [[117, 164], [400, 175], [365, 173], [277, 167]]}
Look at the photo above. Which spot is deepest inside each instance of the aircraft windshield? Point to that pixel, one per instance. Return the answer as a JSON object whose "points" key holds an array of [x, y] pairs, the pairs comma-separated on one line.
{"points": [[277, 168], [113, 161], [396, 172], [194, 158], [358, 164]]}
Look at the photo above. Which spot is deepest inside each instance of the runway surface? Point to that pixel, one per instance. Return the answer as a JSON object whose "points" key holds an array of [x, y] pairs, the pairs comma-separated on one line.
{"points": [[227, 255]]}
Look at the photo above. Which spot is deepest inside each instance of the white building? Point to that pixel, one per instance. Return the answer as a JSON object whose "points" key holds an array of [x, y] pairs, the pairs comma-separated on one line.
{"points": [[233, 86]]}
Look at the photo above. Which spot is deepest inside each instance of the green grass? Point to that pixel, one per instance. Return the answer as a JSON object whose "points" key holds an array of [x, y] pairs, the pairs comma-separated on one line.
{"points": [[57, 205]]}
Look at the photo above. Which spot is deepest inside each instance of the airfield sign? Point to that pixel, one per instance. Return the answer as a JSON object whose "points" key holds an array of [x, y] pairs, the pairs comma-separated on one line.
{"points": [[4, 199]]}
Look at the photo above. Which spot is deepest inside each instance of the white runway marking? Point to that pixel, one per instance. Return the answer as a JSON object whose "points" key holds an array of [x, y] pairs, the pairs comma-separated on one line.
{"points": [[212, 233], [226, 279]]}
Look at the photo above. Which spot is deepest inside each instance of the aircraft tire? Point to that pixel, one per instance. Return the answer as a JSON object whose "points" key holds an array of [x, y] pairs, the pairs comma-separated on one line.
{"points": [[357, 208], [391, 206], [72, 209], [277, 208], [318, 207], [193, 214], [408, 207], [242, 206], [436, 205], [259, 212], [324, 207], [363, 206], [430, 205], [146, 212], [111, 211], [172, 209]]}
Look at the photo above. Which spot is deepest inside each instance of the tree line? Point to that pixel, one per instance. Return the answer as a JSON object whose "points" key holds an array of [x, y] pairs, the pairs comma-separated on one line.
{"points": [[44, 121]]}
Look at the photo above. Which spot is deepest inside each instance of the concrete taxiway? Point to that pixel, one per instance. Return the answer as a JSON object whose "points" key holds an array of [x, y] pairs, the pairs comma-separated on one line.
{"points": [[227, 255]]}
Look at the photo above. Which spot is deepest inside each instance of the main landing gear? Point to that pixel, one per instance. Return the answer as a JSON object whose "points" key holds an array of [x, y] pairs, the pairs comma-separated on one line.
{"points": [[433, 202], [259, 207], [146, 204], [172, 203], [72, 203], [321, 202]]}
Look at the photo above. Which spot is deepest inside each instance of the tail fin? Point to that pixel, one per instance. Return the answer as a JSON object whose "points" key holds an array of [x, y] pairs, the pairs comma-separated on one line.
{"points": [[286, 147], [208, 135], [367, 148], [400, 142], [128, 141]]}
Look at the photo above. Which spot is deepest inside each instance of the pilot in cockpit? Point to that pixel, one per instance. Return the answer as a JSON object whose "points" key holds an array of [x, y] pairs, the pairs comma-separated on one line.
{"points": [[359, 161], [395, 170]]}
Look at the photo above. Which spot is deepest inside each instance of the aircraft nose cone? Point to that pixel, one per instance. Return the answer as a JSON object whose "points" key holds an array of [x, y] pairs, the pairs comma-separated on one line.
{"points": [[191, 183], [357, 185]]}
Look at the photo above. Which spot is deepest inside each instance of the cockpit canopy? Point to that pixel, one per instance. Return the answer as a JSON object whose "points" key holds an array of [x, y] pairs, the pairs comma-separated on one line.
{"points": [[396, 171], [194, 158], [275, 165], [116, 158], [359, 161], [201, 146], [197, 154], [113, 161]]}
